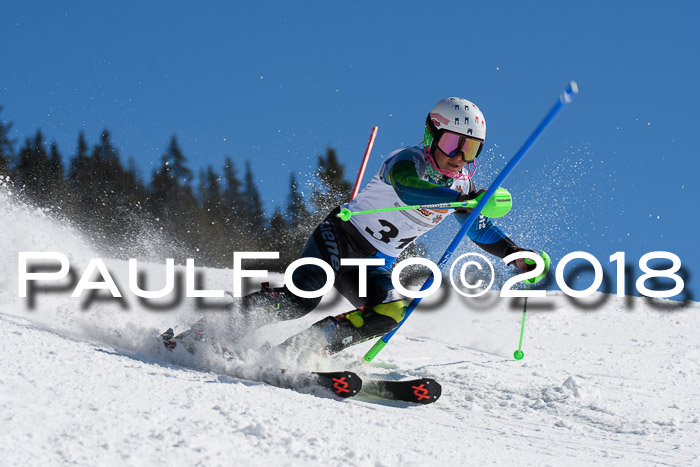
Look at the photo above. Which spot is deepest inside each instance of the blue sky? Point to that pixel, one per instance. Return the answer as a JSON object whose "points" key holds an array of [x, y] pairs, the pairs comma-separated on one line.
{"points": [[276, 83]]}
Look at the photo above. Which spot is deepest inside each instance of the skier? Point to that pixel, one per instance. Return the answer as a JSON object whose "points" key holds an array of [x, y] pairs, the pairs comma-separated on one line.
{"points": [[439, 171]]}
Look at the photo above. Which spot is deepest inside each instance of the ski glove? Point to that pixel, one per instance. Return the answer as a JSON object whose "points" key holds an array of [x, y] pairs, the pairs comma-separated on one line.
{"points": [[526, 265], [465, 197]]}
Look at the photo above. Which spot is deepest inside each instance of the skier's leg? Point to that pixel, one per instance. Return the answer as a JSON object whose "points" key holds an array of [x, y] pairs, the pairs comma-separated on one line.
{"points": [[354, 327], [381, 311], [269, 305], [279, 304]]}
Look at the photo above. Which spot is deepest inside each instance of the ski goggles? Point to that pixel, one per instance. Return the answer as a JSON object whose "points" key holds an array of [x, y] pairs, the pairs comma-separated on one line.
{"points": [[453, 144]]}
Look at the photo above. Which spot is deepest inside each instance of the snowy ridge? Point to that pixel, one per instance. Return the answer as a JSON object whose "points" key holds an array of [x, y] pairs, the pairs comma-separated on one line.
{"points": [[615, 385]]}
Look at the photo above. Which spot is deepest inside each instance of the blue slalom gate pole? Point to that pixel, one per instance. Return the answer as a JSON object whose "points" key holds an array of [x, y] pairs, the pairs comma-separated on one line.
{"points": [[566, 97]]}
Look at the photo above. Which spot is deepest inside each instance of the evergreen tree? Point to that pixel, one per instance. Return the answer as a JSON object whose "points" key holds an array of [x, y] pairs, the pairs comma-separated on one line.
{"points": [[134, 171], [80, 182], [25, 164], [231, 195], [56, 182], [232, 208], [108, 150], [33, 168], [212, 199], [171, 184], [79, 168], [202, 185], [219, 239], [105, 198], [290, 236], [177, 162], [298, 213], [251, 211], [6, 147], [108, 189], [79, 162], [277, 239], [82, 146], [334, 188], [56, 164], [174, 204]]}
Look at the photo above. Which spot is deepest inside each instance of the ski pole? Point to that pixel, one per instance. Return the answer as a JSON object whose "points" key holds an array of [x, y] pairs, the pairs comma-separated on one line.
{"points": [[519, 354], [565, 98], [497, 206], [361, 173]]}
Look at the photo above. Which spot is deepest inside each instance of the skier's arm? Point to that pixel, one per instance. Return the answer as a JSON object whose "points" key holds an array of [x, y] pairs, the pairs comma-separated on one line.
{"points": [[488, 236], [402, 174], [492, 240]]}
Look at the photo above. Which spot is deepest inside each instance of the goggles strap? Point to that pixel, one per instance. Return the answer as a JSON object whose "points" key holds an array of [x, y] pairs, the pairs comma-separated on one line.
{"points": [[471, 168]]}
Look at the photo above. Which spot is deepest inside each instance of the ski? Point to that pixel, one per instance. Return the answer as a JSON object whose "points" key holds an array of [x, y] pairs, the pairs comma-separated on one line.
{"points": [[346, 384], [419, 391], [343, 384]]}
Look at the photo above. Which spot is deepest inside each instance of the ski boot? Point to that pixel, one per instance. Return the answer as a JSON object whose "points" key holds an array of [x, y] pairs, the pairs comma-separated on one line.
{"points": [[168, 340], [347, 329], [201, 331]]}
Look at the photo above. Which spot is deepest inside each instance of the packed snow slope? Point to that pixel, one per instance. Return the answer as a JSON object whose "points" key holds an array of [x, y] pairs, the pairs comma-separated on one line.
{"points": [[614, 383]]}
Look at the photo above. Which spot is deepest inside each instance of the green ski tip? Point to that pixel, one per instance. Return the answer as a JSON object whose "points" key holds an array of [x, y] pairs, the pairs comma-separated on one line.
{"points": [[518, 354], [344, 214]]}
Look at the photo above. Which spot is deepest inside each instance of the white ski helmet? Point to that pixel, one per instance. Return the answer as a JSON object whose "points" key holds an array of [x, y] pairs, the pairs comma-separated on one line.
{"points": [[457, 115]]}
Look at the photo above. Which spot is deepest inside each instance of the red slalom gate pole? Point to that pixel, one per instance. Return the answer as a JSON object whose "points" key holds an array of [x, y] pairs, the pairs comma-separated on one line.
{"points": [[361, 173]]}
